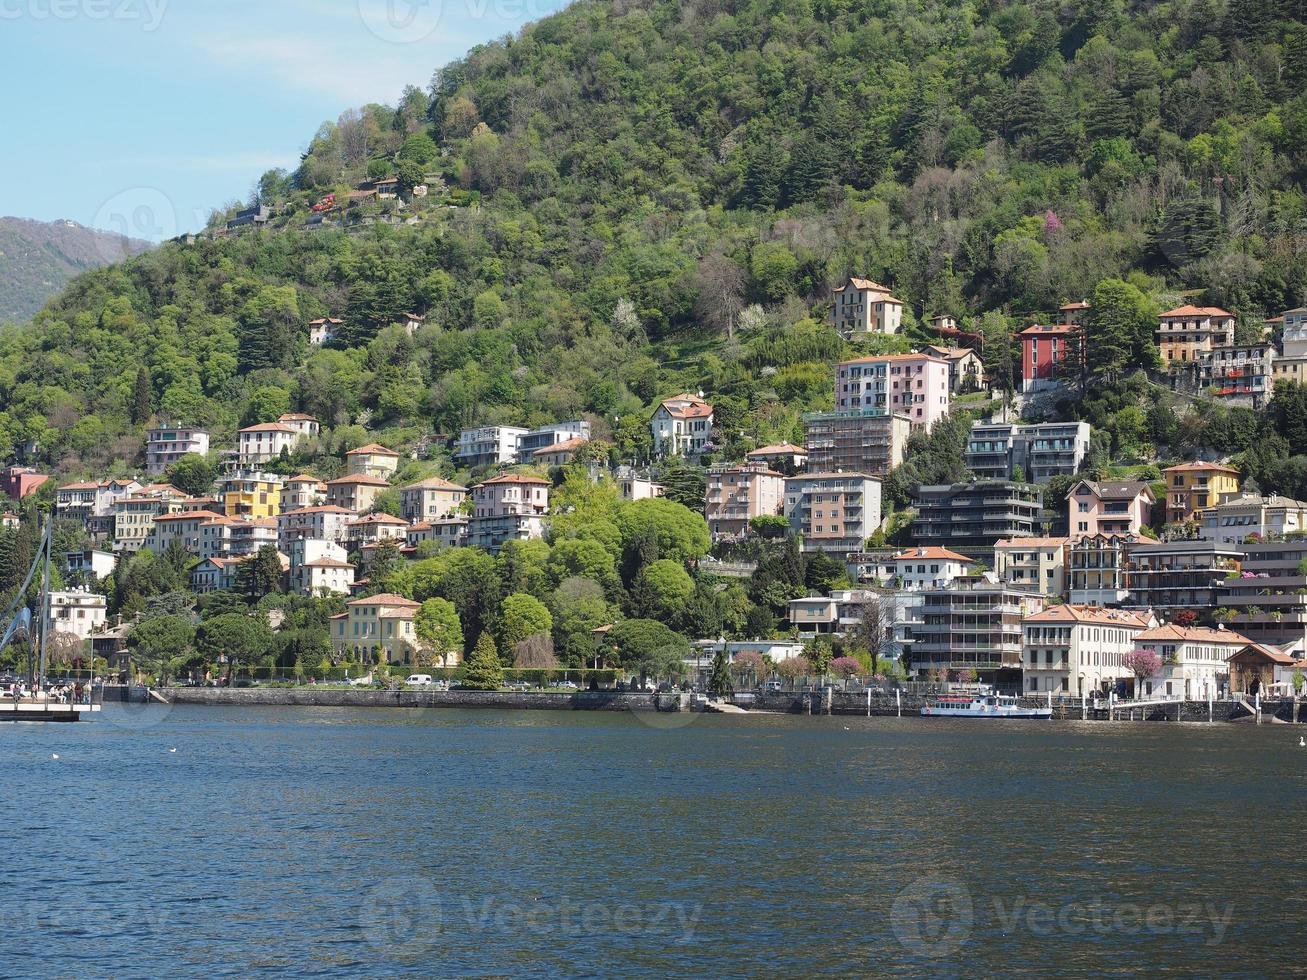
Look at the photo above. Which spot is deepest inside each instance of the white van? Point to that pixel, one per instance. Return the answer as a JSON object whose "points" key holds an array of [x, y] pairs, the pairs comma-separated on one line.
{"points": [[419, 680]]}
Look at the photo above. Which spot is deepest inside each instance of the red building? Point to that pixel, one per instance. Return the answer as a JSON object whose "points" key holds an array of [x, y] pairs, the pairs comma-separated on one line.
{"points": [[18, 481], [1043, 350]]}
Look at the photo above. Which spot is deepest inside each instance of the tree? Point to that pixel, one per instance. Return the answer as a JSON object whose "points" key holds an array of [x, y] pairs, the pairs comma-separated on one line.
{"points": [[720, 282], [535, 653], [750, 664], [483, 670], [874, 628], [437, 626], [792, 668], [161, 641], [719, 680], [520, 616], [193, 474], [647, 647], [1119, 339], [666, 586], [143, 397], [681, 534], [239, 638], [845, 667], [261, 574], [578, 607], [1143, 664]]}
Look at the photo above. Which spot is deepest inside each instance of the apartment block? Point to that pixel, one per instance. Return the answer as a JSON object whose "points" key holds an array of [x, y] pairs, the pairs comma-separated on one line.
{"points": [[915, 385], [735, 495], [1188, 331], [550, 435], [997, 450], [1267, 600], [834, 512], [971, 517], [167, 444], [866, 441], [507, 508], [1241, 375], [1192, 487], [1194, 660], [1037, 564], [1079, 650], [431, 498], [1109, 507], [928, 568], [1174, 575], [1239, 518], [488, 445], [1096, 574], [973, 625]]}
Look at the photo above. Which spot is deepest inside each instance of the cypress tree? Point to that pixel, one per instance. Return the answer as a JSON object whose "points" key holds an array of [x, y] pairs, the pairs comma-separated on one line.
{"points": [[483, 671], [141, 399]]}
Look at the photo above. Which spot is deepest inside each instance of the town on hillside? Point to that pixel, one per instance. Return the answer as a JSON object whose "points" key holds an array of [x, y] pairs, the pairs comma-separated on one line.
{"points": [[1038, 570]]}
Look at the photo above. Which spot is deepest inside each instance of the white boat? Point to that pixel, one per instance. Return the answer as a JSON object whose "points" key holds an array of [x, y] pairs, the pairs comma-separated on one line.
{"points": [[982, 706]]}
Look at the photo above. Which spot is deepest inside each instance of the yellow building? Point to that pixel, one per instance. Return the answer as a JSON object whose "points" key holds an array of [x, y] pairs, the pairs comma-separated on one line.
{"points": [[380, 629], [1192, 487], [253, 495]]}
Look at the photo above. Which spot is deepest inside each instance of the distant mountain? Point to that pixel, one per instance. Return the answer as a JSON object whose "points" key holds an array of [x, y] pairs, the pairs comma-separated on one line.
{"points": [[37, 259]]}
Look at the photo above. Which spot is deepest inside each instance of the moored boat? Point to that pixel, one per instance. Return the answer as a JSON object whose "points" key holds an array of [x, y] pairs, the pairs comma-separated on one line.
{"points": [[982, 706]]}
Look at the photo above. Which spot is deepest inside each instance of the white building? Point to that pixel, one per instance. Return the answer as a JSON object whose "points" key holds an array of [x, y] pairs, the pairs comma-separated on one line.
{"points": [[682, 426], [91, 564], [1033, 563], [488, 445], [1077, 650], [265, 442], [323, 330], [448, 531], [929, 568], [864, 307], [307, 426], [166, 444], [1233, 520], [77, 612], [319, 567], [324, 523], [1194, 660]]}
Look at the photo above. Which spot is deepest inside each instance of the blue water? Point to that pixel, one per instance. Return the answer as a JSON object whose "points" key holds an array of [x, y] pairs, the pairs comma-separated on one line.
{"points": [[454, 843]]}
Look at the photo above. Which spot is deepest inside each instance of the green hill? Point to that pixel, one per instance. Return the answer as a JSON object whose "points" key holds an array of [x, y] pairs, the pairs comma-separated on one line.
{"points": [[629, 200]]}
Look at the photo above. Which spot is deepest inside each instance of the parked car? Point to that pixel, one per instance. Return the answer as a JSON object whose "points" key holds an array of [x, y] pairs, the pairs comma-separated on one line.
{"points": [[570, 685], [774, 685], [418, 680], [518, 686]]}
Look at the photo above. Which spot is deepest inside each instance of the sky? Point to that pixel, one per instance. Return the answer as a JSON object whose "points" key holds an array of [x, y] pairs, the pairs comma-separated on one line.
{"points": [[140, 116]]}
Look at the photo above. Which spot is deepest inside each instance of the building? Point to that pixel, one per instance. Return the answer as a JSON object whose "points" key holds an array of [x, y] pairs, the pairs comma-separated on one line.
{"points": [[735, 495], [318, 568], [1271, 669], [971, 517], [488, 445], [323, 330], [356, 492], [864, 307], [834, 512], [77, 501], [1192, 487], [167, 444], [1109, 507], [1036, 564], [377, 629], [265, 442], [215, 574], [448, 531], [1194, 660], [1239, 374], [1175, 575], [372, 460], [966, 373], [973, 627], [510, 507], [19, 481], [134, 516], [782, 455], [549, 436], [256, 216], [182, 527], [1005, 450], [1267, 600], [411, 322], [633, 487], [375, 528], [1291, 362], [431, 498], [1073, 314], [246, 536], [78, 613], [1096, 575], [1046, 350], [867, 441], [89, 565], [307, 426], [302, 491], [682, 426], [1188, 331], [1250, 515], [915, 385], [559, 454], [1079, 650], [928, 568], [251, 495], [324, 523]]}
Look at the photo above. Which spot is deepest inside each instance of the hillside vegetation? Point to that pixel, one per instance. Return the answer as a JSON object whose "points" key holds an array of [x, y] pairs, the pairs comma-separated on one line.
{"points": [[642, 198]]}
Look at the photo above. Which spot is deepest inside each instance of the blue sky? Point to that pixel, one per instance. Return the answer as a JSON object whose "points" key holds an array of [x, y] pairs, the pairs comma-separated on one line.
{"points": [[142, 115]]}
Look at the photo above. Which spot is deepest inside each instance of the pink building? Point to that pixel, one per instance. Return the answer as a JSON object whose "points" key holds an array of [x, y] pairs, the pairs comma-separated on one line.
{"points": [[1101, 507], [738, 494], [18, 481], [1043, 353], [915, 385]]}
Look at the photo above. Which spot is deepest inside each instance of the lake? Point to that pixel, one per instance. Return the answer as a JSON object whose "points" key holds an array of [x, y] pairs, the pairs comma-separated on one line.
{"points": [[389, 842]]}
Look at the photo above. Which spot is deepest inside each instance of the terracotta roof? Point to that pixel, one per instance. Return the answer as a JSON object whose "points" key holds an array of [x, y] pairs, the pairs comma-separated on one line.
{"points": [[1195, 311], [296, 417], [1271, 653], [1078, 305], [566, 446], [931, 554], [324, 319], [869, 284], [1114, 490], [188, 515], [435, 483], [372, 449], [1031, 542], [513, 478], [414, 316], [1088, 614], [1047, 328], [80, 486], [385, 599], [1192, 634], [893, 357], [951, 353], [1200, 466], [379, 519], [161, 488], [268, 427], [322, 509], [363, 478], [694, 407], [327, 563], [779, 449], [305, 478]]}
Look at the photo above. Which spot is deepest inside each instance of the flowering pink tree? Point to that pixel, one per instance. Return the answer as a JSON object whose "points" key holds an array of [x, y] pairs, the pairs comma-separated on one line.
{"points": [[1052, 223], [845, 667], [1143, 664], [792, 668], [749, 663]]}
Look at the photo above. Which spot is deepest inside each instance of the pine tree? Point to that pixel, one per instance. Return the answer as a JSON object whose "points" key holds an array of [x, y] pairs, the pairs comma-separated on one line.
{"points": [[483, 671], [142, 399], [719, 682]]}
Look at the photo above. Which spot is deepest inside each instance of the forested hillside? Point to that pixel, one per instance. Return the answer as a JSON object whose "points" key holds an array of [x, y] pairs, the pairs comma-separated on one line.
{"points": [[651, 197]]}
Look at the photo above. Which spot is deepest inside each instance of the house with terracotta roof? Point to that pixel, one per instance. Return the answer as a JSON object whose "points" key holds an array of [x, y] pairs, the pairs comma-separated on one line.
{"points": [[1073, 314], [377, 629], [134, 516], [319, 568], [356, 492], [323, 330], [372, 460], [928, 568], [19, 481], [965, 370], [302, 491], [1036, 563], [508, 507], [373, 529], [560, 453], [251, 494], [411, 322], [682, 426], [549, 436], [1192, 487], [915, 385], [1109, 507], [1240, 374], [247, 536], [1046, 350], [324, 522], [306, 425], [784, 454], [451, 532], [265, 442], [1195, 660], [1261, 669], [430, 499], [1188, 331], [863, 307], [215, 574], [735, 495], [1079, 650], [183, 527]]}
